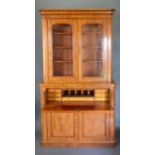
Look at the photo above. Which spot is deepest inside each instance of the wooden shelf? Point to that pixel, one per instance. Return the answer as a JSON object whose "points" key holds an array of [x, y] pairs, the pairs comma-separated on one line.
{"points": [[62, 61], [92, 61], [91, 33], [88, 107], [62, 47], [62, 33], [88, 47]]}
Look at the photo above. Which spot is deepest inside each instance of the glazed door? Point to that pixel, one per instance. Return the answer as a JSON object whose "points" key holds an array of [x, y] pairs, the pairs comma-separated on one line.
{"points": [[92, 50], [62, 49]]}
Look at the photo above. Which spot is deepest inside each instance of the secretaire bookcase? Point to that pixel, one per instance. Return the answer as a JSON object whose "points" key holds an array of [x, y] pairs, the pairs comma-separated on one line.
{"points": [[77, 92]]}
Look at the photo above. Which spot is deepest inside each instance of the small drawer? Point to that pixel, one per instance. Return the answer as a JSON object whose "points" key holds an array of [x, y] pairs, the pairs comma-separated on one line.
{"points": [[101, 91], [101, 99], [102, 95], [54, 95], [54, 90], [54, 99]]}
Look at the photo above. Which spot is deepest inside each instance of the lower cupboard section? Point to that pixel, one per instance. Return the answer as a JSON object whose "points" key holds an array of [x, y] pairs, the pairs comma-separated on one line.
{"points": [[78, 128]]}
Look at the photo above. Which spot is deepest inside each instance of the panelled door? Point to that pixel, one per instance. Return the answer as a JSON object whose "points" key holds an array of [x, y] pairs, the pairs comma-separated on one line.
{"points": [[92, 50], [61, 127], [62, 49], [96, 126]]}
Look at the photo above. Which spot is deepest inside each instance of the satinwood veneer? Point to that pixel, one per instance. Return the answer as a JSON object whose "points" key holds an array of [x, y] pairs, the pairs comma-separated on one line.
{"points": [[77, 93]]}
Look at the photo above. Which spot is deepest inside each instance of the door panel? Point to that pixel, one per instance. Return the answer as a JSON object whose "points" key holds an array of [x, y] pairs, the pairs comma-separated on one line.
{"points": [[61, 126], [62, 49], [96, 126], [92, 126], [93, 49]]}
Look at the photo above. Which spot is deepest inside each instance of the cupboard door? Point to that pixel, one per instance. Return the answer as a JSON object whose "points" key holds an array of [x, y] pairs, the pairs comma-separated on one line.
{"points": [[92, 126], [96, 126], [61, 126], [62, 49], [93, 49]]}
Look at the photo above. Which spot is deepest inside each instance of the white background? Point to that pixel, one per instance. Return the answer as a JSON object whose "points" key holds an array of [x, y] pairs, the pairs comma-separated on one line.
{"points": [[137, 77], [17, 75]]}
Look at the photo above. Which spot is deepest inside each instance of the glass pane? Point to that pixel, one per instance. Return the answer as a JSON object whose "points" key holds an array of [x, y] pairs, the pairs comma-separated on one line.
{"points": [[62, 50], [63, 69], [62, 55], [93, 69], [92, 52]]}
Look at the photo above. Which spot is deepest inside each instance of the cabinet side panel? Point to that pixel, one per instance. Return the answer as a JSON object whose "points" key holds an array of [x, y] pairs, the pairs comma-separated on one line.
{"points": [[42, 96], [109, 46], [45, 48], [44, 125], [112, 126], [113, 96]]}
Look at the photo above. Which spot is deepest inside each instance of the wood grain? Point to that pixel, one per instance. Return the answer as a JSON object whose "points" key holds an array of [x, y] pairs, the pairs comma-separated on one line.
{"points": [[76, 120]]}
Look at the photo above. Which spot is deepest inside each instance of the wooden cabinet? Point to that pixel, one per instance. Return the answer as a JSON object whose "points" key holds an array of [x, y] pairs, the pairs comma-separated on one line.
{"points": [[77, 92], [73, 128]]}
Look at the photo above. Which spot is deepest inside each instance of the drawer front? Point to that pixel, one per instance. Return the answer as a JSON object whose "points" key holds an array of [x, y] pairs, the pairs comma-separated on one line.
{"points": [[102, 95], [54, 95]]}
